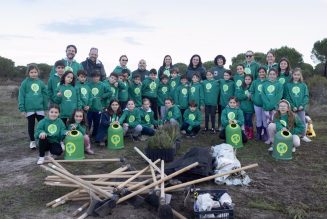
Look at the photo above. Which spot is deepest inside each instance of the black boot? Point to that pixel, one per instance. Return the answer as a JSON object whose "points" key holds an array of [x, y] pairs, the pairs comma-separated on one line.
{"points": [[265, 135], [258, 133]]}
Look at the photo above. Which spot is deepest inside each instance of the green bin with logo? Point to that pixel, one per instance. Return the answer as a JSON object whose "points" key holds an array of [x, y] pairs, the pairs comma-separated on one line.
{"points": [[74, 146], [283, 145], [234, 135], [115, 137]]}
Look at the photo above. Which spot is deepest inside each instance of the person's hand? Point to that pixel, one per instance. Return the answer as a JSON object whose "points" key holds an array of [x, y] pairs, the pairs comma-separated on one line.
{"points": [[235, 121], [115, 122], [231, 122], [294, 109], [23, 114], [42, 135], [59, 94], [86, 108], [284, 129], [73, 126], [116, 84], [300, 108]]}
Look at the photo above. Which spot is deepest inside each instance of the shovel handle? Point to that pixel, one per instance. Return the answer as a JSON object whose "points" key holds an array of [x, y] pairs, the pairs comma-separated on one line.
{"points": [[158, 182], [147, 159], [209, 178], [162, 186]]}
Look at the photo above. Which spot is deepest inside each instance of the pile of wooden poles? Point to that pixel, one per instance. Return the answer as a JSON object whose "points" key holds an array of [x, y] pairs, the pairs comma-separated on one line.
{"points": [[102, 192]]}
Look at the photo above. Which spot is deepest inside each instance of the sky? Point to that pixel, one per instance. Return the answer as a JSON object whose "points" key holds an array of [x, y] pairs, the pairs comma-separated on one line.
{"points": [[39, 31]]}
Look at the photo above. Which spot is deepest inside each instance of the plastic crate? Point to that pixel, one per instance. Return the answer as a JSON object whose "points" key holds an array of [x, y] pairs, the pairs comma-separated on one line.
{"points": [[220, 213]]}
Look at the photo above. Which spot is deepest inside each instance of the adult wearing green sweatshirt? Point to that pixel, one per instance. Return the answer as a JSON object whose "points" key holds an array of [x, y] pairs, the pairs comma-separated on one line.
{"points": [[192, 120], [251, 67], [69, 61], [122, 65]]}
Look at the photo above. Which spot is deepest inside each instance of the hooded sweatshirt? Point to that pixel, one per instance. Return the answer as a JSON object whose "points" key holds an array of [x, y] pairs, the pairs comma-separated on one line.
{"points": [[211, 92], [32, 96], [190, 71], [297, 94], [246, 103], [227, 89], [196, 94], [73, 64], [132, 118], [147, 118], [135, 93], [53, 84], [218, 72], [193, 118], [181, 96], [272, 93], [298, 126], [256, 91], [232, 114], [54, 129]]}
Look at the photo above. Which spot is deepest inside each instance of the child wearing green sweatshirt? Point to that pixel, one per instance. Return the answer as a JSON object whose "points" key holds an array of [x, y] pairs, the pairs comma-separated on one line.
{"points": [[147, 119], [286, 120], [150, 90], [50, 131], [163, 93], [67, 96], [192, 120], [181, 94], [32, 100], [84, 89], [135, 90], [174, 82], [284, 70], [239, 76], [173, 114], [211, 93], [115, 86], [232, 114], [244, 96], [131, 120], [54, 80], [297, 94], [227, 89], [272, 92], [196, 91]]}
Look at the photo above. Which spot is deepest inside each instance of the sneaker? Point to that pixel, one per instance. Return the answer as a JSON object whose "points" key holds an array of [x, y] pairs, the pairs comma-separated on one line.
{"points": [[213, 131], [204, 130], [293, 149], [32, 145], [89, 151], [270, 149], [40, 161], [102, 144], [306, 139], [183, 132], [268, 142]]}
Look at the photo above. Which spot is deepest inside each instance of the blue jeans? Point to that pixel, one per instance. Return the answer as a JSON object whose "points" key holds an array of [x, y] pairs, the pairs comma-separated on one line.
{"points": [[147, 131], [248, 119], [93, 118]]}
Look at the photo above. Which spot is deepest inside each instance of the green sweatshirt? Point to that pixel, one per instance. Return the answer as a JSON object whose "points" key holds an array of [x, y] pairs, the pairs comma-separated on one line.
{"points": [[73, 64], [32, 96], [163, 93], [246, 103], [238, 79], [211, 92], [54, 129], [119, 69], [272, 93], [68, 101], [114, 90], [193, 118], [53, 84], [132, 118], [147, 118], [227, 89], [282, 78], [173, 85], [150, 87], [135, 93], [252, 68], [99, 95], [196, 94], [297, 94], [256, 91], [84, 93], [298, 127], [174, 113], [123, 91], [231, 114], [218, 72], [79, 127], [181, 96]]}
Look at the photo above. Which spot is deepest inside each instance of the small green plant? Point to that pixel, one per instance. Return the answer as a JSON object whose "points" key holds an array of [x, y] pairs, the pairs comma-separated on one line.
{"points": [[160, 140], [172, 130]]}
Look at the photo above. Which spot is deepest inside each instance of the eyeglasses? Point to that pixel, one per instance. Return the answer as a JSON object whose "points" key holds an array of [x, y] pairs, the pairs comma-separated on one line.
{"points": [[125, 60], [248, 56]]}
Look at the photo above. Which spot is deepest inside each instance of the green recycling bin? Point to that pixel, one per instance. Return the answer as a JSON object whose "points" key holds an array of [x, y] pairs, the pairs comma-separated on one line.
{"points": [[283, 145], [74, 146], [234, 135], [115, 137]]}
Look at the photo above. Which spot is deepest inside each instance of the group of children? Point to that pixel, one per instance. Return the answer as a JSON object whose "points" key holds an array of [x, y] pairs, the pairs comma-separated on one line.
{"points": [[278, 98]]}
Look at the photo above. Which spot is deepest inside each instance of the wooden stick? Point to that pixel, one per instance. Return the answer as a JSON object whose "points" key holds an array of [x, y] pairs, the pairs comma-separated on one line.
{"points": [[147, 159], [178, 215], [154, 178], [158, 182], [86, 160], [80, 209], [209, 178]]}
